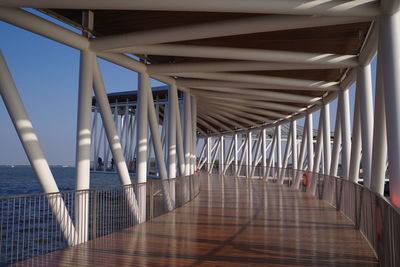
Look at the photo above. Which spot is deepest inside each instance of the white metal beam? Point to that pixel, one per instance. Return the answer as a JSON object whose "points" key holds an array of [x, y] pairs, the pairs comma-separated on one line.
{"points": [[368, 8], [272, 96], [177, 50], [231, 65], [268, 80]]}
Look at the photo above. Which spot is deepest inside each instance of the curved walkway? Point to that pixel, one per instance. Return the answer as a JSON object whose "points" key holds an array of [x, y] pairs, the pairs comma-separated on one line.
{"points": [[233, 222]]}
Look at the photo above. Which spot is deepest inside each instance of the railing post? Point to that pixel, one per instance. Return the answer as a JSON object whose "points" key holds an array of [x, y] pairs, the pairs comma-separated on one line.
{"points": [[94, 214]]}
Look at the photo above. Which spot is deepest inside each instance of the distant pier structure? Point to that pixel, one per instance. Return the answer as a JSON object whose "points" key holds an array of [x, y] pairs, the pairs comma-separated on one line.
{"points": [[124, 112]]}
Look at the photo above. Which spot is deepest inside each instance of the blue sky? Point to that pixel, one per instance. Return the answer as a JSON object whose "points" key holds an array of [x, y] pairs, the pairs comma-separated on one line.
{"points": [[46, 75]]}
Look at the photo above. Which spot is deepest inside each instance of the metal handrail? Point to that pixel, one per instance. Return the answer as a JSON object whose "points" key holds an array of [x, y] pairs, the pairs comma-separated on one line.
{"points": [[372, 214], [29, 228]]}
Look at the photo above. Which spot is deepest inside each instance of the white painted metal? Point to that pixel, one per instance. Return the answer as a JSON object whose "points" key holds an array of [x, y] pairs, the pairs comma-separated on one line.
{"points": [[268, 95], [286, 155], [83, 141], [188, 132], [355, 158], [264, 150], [390, 41], [241, 54], [209, 143], [30, 143], [243, 155], [194, 134], [214, 157], [141, 140], [242, 108], [255, 161], [279, 146], [296, 7], [301, 84], [236, 154], [221, 154], [327, 138], [271, 153], [249, 155], [35, 24], [294, 144], [302, 154], [112, 136], [367, 120], [173, 106], [318, 155], [155, 135], [379, 150], [179, 143], [337, 141], [310, 139], [345, 127], [229, 160], [257, 104], [232, 65]]}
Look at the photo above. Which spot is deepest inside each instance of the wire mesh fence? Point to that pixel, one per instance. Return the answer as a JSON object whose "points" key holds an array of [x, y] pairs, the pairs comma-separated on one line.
{"points": [[30, 227]]}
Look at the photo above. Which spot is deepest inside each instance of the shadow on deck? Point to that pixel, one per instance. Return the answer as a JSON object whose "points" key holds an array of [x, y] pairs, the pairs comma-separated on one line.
{"points": [[232, 222]]}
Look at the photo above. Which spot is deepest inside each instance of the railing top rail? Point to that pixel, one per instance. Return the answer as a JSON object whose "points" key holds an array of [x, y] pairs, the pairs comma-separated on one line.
{"points": [[86, 190]]}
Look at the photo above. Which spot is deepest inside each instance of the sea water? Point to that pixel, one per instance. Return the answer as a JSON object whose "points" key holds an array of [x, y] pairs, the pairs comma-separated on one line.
{"points": [[21, 180]]}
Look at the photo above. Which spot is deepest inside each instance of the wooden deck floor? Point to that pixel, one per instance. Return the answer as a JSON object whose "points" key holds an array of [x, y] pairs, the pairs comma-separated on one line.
{"points": [[233, 222]]}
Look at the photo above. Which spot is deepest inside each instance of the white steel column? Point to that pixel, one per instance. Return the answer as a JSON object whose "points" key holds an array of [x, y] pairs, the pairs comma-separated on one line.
{"points": [[310, 140], [188, 132], [194, 133], [318, 147], [255, 161], [318, 154], [271, 153], [355, 158], [113, 139], [286, 156], [179, 143], [390, 41], [264, 150], [30, 143], [155, 136], [337, 141], [173, 106], [327, 137], [249, 154], [294, 144], [279, 145], [209, 144], [83, 136], [379, 152], [303, 146], [345, 127], [367, 120], [236, 155], [302, 153], [221, 154], [141, 140], [243, 154]]}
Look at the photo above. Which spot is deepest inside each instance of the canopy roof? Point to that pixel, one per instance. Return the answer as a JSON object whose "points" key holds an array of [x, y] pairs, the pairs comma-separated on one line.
{"points": [[243, 76]]}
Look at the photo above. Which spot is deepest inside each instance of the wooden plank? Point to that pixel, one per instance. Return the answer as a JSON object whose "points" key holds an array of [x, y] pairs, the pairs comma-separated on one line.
{"points": [[233, 222]]}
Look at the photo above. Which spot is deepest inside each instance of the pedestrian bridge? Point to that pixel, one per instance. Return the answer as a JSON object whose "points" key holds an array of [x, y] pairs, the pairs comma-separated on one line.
{"points": [[233, 221], [250, 75]]}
